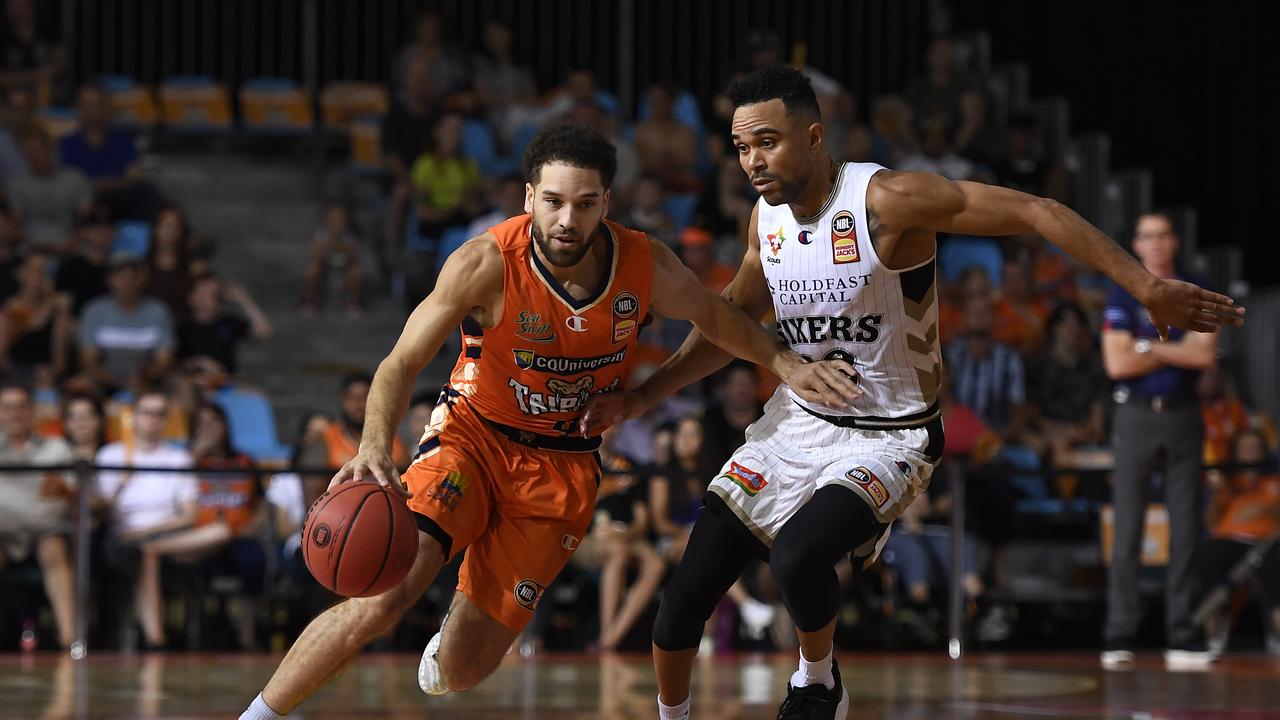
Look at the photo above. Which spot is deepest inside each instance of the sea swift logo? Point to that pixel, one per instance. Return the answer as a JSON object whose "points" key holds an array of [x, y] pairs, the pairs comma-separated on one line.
{"points": [[529, 326]]}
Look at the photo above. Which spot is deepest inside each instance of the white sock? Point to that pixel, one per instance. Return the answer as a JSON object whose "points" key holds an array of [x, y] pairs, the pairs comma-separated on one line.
{"points": [[260, 710], [677, 712], [812, 673]]}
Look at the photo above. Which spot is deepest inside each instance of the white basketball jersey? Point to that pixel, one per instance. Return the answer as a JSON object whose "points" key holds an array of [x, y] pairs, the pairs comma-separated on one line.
{"points": [[835, 299]]}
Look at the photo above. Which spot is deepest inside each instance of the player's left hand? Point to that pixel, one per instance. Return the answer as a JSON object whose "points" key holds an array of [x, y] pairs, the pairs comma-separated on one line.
{"points": [[1190, 307], [833, 383], [608, 409]]}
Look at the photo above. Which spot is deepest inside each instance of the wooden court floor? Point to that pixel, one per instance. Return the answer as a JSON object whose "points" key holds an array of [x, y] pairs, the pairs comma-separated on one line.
{"points": [[573, 687]]}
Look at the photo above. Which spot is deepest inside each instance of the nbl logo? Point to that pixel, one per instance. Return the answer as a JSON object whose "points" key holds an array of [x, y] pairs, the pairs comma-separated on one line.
{"points": [[528, 593], [625, 304], [321, 536], [842, 224]]}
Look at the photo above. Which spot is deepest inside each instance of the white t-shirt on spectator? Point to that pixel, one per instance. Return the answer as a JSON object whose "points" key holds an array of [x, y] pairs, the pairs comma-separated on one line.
{"points": [[147, 498], [285, 492]]}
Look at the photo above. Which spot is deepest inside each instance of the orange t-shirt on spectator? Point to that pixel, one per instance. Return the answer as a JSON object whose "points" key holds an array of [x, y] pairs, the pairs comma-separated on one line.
{"points": [[229, 498], [718, 278], [1223, 419], [1021, 327], [1250, 513], [341, 447]]}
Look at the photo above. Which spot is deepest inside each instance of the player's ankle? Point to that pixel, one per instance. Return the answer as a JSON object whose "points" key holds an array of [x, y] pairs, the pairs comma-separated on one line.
{"points": [[674, 712], [260, 710]]}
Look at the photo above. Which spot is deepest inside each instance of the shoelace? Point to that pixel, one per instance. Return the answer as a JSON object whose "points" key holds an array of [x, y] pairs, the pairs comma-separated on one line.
{"points": [[798, 699]]}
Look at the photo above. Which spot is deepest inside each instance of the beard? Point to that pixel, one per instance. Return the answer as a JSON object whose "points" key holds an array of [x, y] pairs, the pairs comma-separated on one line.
{"points": [[784, 192], [561, 257]]}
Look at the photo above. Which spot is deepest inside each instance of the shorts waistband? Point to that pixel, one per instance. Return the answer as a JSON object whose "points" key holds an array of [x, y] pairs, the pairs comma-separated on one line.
{"points": [[564, 443], [866, 422]]}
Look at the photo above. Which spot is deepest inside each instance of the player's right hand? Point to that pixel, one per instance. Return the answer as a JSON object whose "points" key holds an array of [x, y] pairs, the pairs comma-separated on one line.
{"points": [[608, 409], [372, 466], [833, 383]]}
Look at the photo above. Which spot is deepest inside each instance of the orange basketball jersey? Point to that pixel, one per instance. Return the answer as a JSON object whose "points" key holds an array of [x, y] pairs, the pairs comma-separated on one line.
{"points": [[550, 353]]}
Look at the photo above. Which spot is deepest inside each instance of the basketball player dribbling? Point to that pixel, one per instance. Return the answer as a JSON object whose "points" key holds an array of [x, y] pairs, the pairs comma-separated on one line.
{"points": [[550, 305], [844, 255]]}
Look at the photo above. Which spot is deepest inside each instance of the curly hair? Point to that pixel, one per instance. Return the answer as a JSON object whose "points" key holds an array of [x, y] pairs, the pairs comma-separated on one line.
{"points": [[574, 145], [781, 82]]}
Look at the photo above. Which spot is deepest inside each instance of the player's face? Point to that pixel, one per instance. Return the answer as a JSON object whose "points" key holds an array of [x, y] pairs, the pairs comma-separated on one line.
{"points": [[777, 151], [567, 204]]}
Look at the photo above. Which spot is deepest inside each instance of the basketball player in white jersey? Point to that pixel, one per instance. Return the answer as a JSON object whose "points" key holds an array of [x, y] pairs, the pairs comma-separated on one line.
{"points": [[844, 255]]}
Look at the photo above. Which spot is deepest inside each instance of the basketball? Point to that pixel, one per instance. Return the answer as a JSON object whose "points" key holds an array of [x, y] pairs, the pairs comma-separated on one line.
{"points": [[359, 539]]}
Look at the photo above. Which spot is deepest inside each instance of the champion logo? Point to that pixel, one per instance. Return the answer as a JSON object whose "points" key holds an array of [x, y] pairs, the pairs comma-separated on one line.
{"points": [[805, 237], [576, 323]]}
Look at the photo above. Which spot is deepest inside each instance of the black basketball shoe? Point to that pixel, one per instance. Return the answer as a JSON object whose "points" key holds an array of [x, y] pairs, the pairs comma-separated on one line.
{"points": [[816, 702]]}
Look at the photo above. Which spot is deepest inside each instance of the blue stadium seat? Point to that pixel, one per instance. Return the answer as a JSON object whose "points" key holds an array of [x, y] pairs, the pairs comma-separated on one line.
{"points": [[133, 236], [451, 240], [681, 209], [195, 103], [252, 424], [277, 106], [479, 145], [958, 252]]}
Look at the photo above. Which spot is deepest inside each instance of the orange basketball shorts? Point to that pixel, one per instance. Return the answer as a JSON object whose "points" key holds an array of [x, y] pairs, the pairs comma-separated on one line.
{"points": [[518, 511]]}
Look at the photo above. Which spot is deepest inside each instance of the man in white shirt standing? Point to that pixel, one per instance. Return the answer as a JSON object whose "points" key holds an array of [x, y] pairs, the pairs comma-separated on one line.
{"points": [[145, 505]]}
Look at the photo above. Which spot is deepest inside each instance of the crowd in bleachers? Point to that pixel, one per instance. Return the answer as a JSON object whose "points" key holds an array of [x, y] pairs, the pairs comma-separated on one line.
{"points": [[118, 344]]}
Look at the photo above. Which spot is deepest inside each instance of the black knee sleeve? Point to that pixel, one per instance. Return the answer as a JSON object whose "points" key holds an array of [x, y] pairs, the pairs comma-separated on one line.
{"points": [[712, 562], [832, 524]]}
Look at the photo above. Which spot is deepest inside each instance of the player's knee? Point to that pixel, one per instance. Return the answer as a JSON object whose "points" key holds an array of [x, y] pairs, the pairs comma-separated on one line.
{"points": [[792, 560], [681, 616], [376, 616]]}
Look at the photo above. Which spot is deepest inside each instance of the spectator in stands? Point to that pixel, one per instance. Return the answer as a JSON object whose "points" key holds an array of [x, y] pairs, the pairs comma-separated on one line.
{"points": [[341, 439], [727, 200], [1224, 414], [449, 77], [973, 281], [736, 406], [1025, 168], [619, 535], [501, 84], [334, 246], [698, 252], [1053, 278], [406, 135], [82, 426], [509, 196], [447, 182], [170, 261], [1157, 420], [667, 148], [146, 506], [421, 405], [109, 158], [51, 199], [937, 154], [287, 499], [10, 259], [1020, 313], [1244, 514], [34, 509], [35, 324], [592, 114], [919, 552], [675, 498], [988, 375], [209, 338], [944, 96], [229, 514], [31, 50], [648, 211], [126, 338], [13, 163], [83, 276], [1068, 386]]}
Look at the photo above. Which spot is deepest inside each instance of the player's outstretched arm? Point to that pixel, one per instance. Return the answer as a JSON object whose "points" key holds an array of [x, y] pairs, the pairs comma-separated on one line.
{"points": [[678, 294], [470, 283], [901, 202]]}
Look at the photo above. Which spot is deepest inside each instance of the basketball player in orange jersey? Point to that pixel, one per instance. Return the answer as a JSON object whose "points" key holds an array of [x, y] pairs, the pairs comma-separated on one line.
{"points": [[550, 306]]}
